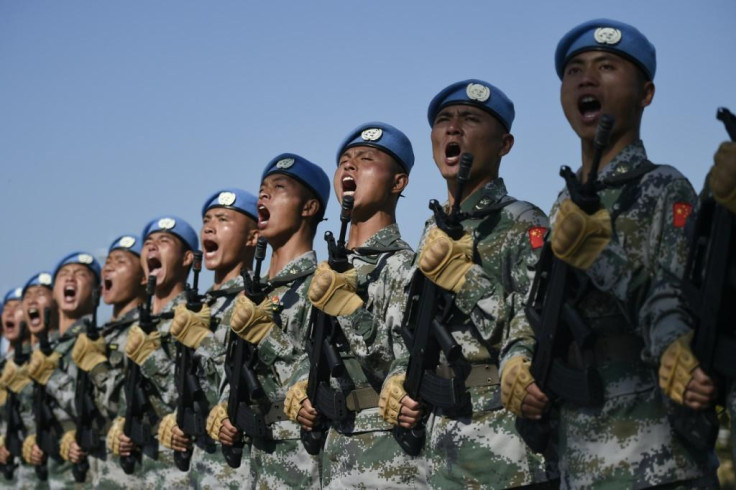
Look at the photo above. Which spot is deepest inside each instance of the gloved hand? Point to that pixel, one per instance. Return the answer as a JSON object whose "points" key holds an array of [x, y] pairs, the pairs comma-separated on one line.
{"points": [[676, 367], [515, 378], [216, 417], [295, 395], [389, 401], [189, 327], [15, 378], [113, 443], [27, 449], [65, 444], [166, 430], [88, 353], [722, 179], [250, 321], [445, 261], [141, 345], [334, 292], [578, 238], [41, 367]]}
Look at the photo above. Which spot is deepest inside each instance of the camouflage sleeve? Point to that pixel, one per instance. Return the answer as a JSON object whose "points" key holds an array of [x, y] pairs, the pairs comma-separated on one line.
{"points": [[210, 359], [159, 369], [108, 380], [280, 352], [60, 387]]}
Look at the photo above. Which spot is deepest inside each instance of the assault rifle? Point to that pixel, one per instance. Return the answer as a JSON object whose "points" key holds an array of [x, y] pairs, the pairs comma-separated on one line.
{"points": [[556, 324], [48, 428], [710, 281], [15, 430], [191, 409], [324, 359], [89, 420], [240, 364], [428, 312]]}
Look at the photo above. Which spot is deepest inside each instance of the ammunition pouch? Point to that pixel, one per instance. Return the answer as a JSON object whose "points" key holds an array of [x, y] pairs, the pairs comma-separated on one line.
{"points": [[254, 423], [443, 389], [337, 405]]}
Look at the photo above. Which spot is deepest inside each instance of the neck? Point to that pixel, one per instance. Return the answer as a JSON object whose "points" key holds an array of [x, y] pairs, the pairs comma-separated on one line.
{"points": [[164, 297], [617, 143], [281, 254], [362, 230], [66, 321], [227, 274], [121, 309]]}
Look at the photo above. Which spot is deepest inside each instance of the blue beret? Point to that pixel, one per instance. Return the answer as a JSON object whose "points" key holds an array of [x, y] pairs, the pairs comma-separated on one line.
{"points": [[232, 198], [131, 243], [477, 93], [40, 279], [306, 172], [607, 35], [384, 137], [83, 258], [176, 226], [13, 295]]}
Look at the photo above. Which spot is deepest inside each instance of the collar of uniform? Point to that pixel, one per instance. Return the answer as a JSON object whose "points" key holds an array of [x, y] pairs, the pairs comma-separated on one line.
{"points": [[129, 316], [235, 282], [486, 196], [179, 298], [628, 159], [301, 266], [386, 239], [77, 327]]}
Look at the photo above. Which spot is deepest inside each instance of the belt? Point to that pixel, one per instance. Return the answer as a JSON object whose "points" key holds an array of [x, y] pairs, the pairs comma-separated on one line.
{"points": [[335, 405], [361, 399], [480, 374], [607, 349]]}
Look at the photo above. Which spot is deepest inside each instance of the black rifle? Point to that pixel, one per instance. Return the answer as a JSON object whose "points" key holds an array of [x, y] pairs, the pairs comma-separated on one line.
{"points": [[556, 324], [140, 416], [709, 282], [324, 358], [48, 428], [240, 365], [15, 430], [90, 422], [428, 310], [191, 409]]}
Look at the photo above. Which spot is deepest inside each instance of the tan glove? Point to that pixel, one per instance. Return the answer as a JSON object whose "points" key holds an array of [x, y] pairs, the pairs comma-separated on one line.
{"points": [[389, 402], [27, 449], [515, 378], [250, 321], [66, 443], [41, 367], [15, 378], [722, 179], [296, 394], [676, 367], [141, 345], [334, 292], [217, 416], [166, 430], [88, 353], [445, 261], [578, 238], [189, 327], [113, 443]]}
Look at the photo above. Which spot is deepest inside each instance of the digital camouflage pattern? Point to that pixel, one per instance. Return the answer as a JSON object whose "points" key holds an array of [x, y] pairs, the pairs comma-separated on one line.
{"points": [[477, 445], [628, 442]]}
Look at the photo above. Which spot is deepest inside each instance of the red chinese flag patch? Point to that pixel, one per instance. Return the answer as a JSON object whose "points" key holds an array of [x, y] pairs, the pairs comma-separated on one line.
{"points": [[536, 236], [680, 213]]}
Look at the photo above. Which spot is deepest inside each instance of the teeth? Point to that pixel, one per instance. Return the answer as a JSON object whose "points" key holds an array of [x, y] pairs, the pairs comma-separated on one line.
{"points": [[587, 98], [348, 178]]}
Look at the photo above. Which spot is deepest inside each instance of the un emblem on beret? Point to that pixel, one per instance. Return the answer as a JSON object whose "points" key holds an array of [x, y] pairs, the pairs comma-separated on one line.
{"points": [[166, 223], [127, 241], [44, 279], [285, 163], [226, 199], [607, 35], [85, 259], [372, 134], [476, 91], [19, 292]]}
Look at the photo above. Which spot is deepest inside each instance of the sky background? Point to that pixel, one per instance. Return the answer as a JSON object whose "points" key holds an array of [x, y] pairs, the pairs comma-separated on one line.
{"points": [[114, 112]]}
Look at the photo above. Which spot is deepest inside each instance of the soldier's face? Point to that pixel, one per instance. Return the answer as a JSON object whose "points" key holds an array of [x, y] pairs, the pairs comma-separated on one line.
{"points": [[226, 236], [122, 277], [35, 301], [596, 83], [165, 256], [10, 326], [281, 201], [459, 129], [369, 175], [73, 288]]}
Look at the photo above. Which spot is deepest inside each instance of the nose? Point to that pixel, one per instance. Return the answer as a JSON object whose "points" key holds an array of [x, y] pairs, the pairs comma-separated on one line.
{"points": [[589, 76], [454, 126]]}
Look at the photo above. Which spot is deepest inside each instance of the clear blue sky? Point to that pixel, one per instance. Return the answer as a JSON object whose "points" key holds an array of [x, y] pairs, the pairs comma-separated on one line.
{"points": [[114, 112]]}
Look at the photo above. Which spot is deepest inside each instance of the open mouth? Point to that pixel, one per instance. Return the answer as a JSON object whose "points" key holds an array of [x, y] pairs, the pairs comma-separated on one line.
{"points": [[9, 325], [452, 153], [589, 107], [263, 215], [348, 186], [70, 292], [154, 266], [35, 316], [106, 284], [210, 246]]}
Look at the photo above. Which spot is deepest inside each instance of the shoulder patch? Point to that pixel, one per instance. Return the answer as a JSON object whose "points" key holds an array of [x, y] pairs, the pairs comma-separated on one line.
{"points": [[680, 212], [536, 236]]}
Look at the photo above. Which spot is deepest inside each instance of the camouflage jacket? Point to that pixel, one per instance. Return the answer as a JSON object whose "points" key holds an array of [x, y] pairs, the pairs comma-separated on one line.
{"points": [[60, 386]]}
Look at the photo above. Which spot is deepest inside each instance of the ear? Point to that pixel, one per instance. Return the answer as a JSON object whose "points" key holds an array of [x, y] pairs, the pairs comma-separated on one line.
{"points": [[648, 93], [507, 142], [310, 208], [252, 238], [188, 258], [401, 180]]}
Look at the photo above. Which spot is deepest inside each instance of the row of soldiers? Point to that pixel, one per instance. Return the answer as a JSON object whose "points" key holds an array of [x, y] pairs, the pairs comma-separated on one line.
{"points": [[382, 367]]}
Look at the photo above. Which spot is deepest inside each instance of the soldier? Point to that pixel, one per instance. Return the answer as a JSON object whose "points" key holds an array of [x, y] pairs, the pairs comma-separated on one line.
{"points": [[228, 238], [488, 271], [292, 200], [167, 254], [628, 256], [11, 301], [374, 162], [104, 359]]}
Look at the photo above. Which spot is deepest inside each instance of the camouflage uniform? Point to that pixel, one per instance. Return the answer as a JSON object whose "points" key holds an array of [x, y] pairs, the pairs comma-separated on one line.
{"points": [[208, 467], [633, 302], [280, 461], [108, 379], [476, 444]]}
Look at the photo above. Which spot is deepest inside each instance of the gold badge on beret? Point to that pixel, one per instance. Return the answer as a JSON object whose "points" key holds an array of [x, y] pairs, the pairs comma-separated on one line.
{"points": [[127, 241], [285, 163], [372, 134], [226, 198], [607, 35], [477, 91], [166, 223]]}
